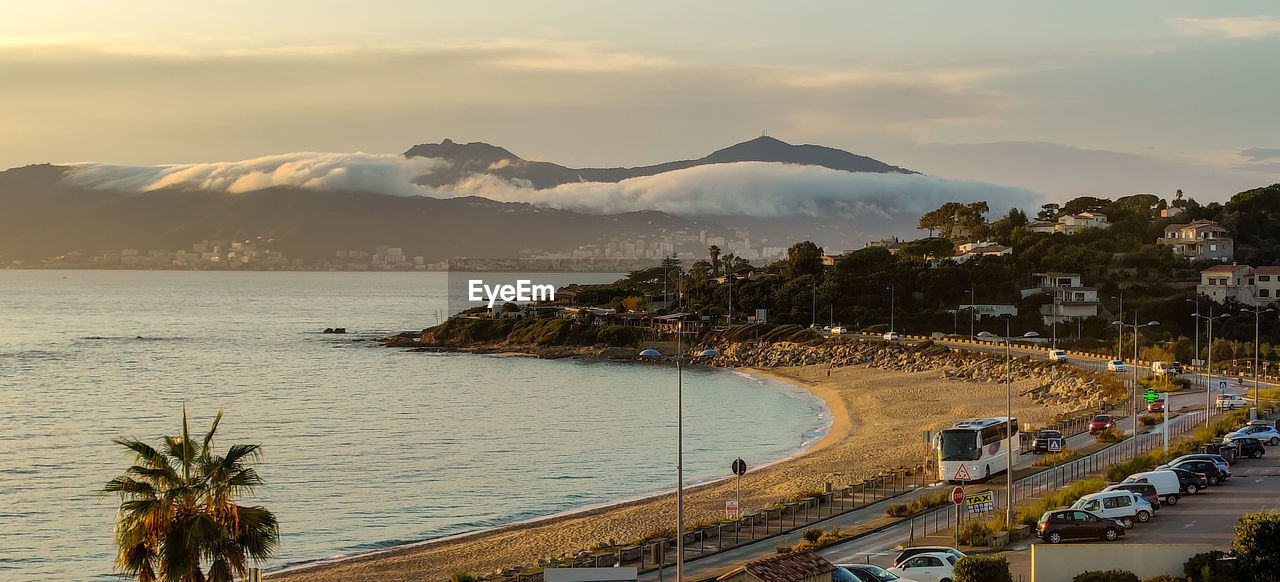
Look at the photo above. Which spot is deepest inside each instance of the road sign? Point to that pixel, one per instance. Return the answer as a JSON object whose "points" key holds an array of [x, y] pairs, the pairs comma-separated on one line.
{"points": [[962, 474], [731, 509], [1222, 385], [1055, 445], [739, 467], [980, 502], [957, 495]]}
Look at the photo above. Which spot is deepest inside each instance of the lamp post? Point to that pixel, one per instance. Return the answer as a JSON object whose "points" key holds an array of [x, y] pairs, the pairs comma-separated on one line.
{"points": [[1008, 417], [813, 310], [1257, 313], [1133, 396], [679, 358], [972, 299], [892, 296], [1196, 313], [1208, 367]]}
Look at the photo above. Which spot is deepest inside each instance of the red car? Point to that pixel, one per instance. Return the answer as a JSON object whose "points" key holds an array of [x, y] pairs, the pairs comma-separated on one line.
{"points": [[1155, 406], [1101, 422]]}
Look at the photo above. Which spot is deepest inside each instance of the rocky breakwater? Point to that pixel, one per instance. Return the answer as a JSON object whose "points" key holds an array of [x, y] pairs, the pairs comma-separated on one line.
{"points": [[1041, 381]]}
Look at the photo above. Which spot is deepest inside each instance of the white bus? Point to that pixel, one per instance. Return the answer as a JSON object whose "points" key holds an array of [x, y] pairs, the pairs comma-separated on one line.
{"points": [[973, 450]]}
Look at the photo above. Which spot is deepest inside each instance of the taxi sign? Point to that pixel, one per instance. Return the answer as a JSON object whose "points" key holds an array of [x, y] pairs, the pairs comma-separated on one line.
{"points": [[980, 502], [1055, 445]]}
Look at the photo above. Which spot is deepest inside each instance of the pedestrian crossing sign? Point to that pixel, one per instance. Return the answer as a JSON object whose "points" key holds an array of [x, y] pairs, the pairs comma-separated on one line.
{"points": [[962, 474], [1055, 445]]}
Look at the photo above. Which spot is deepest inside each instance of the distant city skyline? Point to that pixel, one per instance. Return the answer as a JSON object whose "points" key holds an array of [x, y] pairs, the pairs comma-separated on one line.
{"points": [[1063, 99]]}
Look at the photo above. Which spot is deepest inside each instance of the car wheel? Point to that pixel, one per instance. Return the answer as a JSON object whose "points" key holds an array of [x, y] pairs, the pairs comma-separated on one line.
{"points": [[1274, 441], [1171, 500], [1192, 489], [1111, 534], [1127, 522], [1213, 481], [1257, 454], [1144, 517], [1055, 538]]}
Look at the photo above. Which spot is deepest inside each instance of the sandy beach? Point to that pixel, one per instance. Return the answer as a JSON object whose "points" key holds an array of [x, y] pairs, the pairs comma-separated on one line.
{"points": [[877, 419]]}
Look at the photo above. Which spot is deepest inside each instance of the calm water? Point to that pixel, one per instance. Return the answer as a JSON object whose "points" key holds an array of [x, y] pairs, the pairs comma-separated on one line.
{"points": [[365, 447]]}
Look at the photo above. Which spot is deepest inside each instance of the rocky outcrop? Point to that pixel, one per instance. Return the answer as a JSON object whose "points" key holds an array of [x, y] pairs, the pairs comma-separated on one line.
{"points": [[1039, 380]]}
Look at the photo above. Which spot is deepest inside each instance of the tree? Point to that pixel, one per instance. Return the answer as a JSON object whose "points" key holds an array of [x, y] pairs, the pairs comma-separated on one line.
{"points": [[1257, 545], [804, 258], [1048, 212], [179, 507], [714, 251]]}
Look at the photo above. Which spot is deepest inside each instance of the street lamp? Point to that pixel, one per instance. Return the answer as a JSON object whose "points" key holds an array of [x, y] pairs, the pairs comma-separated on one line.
{"points": [[892, 293], [1208, 367], [1008, 422], [1257, 313], [1196, 358], [972, 299], [1133, 398], [679, 358]]}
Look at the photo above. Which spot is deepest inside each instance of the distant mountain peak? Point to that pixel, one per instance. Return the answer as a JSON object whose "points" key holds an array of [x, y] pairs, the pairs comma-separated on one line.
{"points": [[482, 158]]}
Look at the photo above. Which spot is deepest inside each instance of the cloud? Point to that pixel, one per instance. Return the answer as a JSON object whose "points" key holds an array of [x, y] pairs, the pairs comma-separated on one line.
{"points": [[744, 189], [381, 173], [1237, 27], [1261, 154]]}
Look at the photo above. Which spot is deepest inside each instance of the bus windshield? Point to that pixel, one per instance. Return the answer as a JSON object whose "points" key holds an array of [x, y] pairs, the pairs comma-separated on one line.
{"points": [[960, 445]]}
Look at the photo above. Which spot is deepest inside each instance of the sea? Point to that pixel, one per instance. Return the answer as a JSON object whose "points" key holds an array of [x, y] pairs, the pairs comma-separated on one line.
{"points": [[364, 447]]}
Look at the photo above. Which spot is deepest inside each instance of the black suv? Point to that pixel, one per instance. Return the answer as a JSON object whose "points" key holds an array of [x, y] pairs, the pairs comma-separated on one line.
{"points": [[1212, 473], [1146, 490], [1249, 447], [1063, 524], [1041, 443]]}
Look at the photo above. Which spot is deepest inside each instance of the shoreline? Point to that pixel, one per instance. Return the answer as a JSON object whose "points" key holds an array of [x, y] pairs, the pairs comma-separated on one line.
{"points": [[873, 400], [831, 403]]}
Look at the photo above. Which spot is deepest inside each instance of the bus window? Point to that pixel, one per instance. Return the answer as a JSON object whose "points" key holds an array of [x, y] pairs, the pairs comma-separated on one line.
{"points": [[960, 445]]}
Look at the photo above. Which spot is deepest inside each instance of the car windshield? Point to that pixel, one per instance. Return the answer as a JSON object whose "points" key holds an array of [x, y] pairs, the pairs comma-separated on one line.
{"points": [[1102, 418], [878, 572], [1049, 434], [960, 445]]}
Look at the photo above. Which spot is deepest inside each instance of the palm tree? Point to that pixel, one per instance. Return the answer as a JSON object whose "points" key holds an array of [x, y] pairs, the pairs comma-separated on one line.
{"points": [[178, 508]]}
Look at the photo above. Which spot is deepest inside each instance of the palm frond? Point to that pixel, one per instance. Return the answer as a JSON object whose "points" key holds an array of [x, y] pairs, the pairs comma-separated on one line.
{"points": [[208, 437]]}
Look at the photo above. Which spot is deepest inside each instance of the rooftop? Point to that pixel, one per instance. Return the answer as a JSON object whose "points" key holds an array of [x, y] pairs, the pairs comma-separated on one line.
{"points": [[1224, 268], [1268, 270]]}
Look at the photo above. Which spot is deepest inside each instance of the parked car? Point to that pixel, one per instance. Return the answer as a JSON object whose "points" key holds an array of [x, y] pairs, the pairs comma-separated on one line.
{"points": [[1262, 432], [1163, 368], [1116, 366], [1101, 422], [1175, 367], [1190, 481], [1218, 460], [839, 329], [1168, 485], [1230, 402], [1155, 406], [916, 550], [1117, 505], [1065, 524], [1145, 490], [1249, 446], [891, 336], [932, 567], [1211, 471], [1041, 442], [871, 573], [1057, 355]]}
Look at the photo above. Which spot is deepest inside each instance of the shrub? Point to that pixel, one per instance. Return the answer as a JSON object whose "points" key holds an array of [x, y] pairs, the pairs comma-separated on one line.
{"points": [[1057, 458], [897, 510], [1149, 419], [1165, 578], [811, 535], [1257, 543], [1209, 567], [461, 576], [975, 533], [1106, 576], [1138, 464], [982, 569], [1110, 435], [919, 504], [782, 549]]}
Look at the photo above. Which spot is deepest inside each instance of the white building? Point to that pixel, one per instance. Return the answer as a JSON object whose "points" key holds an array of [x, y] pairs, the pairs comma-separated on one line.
{"points": [[1267, 284], [1221, 283], [1199, 240], [980, 249], [1071, 299], [1070, 223]]}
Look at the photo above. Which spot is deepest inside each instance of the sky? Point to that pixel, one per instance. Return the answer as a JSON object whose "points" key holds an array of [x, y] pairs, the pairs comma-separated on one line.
{"points": [[1098, 98]]}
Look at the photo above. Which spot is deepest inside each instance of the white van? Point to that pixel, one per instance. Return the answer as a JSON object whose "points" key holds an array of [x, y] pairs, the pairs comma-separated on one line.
{"points": [[1166, 483], [1057, 355], [1161, 368], [1117, 505]]}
